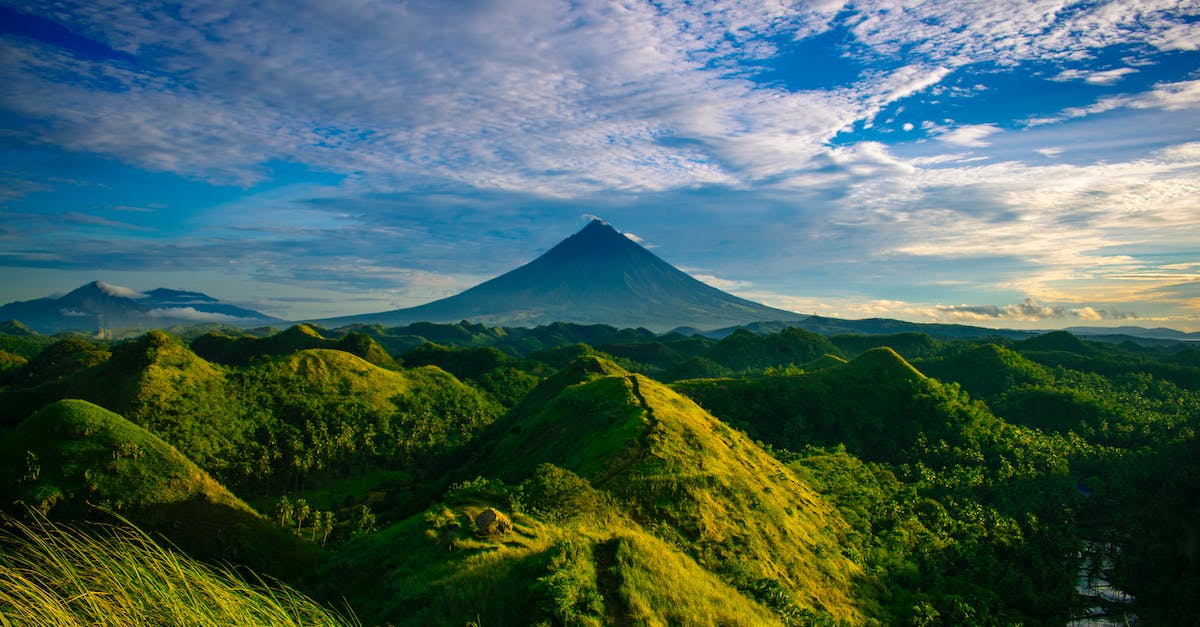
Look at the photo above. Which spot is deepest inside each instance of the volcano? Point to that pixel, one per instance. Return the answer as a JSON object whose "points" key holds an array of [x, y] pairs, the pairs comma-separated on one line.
{"points": [[98, 306], [596, 276]]}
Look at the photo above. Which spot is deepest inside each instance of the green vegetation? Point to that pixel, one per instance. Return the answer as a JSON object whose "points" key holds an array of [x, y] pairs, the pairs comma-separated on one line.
{"points": [[116, 575], [699, 484], [240, 350], [76, 453], [464, 474]]}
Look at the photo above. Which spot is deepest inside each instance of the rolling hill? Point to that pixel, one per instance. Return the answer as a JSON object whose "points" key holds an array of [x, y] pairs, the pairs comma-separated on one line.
{"points": [[636, 507], [72, 456]]}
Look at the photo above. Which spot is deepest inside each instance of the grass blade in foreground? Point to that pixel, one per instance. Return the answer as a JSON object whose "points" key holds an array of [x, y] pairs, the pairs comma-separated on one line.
{"points": [[117, 575]]}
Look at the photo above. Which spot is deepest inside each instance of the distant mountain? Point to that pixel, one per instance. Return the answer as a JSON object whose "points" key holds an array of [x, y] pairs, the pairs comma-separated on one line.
{"points": [[597, 276], [1157, 333], [870, 326], [100, 306]]}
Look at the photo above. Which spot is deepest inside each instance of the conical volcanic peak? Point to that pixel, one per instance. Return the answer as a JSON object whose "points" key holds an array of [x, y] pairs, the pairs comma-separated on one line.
{"points": [[596, 276]]}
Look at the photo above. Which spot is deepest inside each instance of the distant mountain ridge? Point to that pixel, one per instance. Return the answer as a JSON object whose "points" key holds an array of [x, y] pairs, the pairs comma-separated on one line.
{"points": [[596, 276], [100, 306], [1157, 333]]}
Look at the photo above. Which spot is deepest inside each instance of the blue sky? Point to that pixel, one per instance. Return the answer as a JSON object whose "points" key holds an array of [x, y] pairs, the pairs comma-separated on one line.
{"points": [[1026, 164]]}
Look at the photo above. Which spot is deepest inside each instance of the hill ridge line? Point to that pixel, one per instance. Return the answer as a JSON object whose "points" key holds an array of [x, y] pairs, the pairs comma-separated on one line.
{"points": [[643, 445]]}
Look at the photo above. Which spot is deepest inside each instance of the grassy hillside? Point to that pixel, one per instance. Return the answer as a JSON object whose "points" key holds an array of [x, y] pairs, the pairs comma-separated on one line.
{"points": [[10, 364], [331, 411], [116, 575], [72, 457], [157, 382], [279, 420], [579, 564], [72, 452], [701, 485], [62, 358]]}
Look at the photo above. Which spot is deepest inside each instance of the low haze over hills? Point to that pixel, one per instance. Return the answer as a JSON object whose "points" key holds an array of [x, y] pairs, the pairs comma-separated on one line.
{"points": [[597, 276]]}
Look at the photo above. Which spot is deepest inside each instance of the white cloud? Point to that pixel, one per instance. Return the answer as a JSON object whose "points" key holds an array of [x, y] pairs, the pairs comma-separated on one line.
{"points": [[1028, 310], [967, 135], [192, 314], [1094, 77], [965, 32], [1165, 96], [1178, 37], [558, 99], [727, 285]]}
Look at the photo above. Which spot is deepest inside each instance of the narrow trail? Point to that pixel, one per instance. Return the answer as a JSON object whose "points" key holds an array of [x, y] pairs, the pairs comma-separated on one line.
{"points": [[642, 446], [608, 583]]}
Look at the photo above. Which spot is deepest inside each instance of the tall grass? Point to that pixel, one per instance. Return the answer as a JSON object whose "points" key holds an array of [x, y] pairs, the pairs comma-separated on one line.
{"points": [[53, 574]]}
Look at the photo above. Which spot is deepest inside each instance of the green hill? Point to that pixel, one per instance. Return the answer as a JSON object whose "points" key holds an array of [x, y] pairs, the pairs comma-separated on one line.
{"points": [[985, 371], [597, 569], [744, 350], [699, 484], [280, 419], [156, 382], [10, 364], [1056, 341], [72, 452], [504, 377], [16, 328], [824, 361], [62, 358], [877, 405], [73, 456], [910, 345], [241, 350]]}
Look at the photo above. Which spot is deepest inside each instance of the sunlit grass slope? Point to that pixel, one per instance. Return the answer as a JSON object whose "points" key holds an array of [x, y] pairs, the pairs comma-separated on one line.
{"points": [[591, 567], [73, 452], [697, 483], [306, 411], [117, 575], [157, 382], [73, 456], [822, 362]]}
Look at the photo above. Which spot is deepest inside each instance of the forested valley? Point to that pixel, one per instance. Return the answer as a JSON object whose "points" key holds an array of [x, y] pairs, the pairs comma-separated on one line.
{"points": [[458, 474]]}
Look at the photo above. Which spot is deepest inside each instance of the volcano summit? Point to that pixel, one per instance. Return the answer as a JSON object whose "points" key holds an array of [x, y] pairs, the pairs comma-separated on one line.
{"points": [[596, 276]]}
